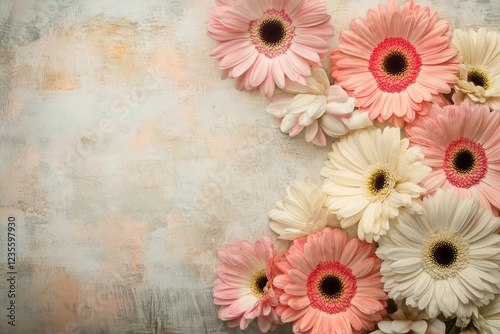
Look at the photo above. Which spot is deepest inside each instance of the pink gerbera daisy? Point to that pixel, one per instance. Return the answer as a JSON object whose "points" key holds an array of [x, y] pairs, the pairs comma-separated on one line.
{"points": [[395, 60], [263, 41], [330, 284], [462, 146], [244, 285]]}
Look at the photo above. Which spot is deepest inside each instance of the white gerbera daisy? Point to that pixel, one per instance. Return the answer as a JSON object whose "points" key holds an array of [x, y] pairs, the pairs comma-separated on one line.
{"points": [[479, 78], [370, 177], [445, 260], [488, 319], [317, 108], [302, 211], [409, 319]]}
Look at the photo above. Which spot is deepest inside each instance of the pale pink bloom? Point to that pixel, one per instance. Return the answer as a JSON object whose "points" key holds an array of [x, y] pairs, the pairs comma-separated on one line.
{"points": [[244, 285], [395, 60], [263, 42], [318, 108], [462, 146], [329, 283]]}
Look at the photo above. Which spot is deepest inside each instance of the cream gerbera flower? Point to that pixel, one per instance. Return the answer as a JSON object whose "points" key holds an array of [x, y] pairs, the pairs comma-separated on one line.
{"points": [[409, 319], [479, 78], [318, 108], [488, 319], [370, 177], [302, 211], [445, 260], [469, 330]]}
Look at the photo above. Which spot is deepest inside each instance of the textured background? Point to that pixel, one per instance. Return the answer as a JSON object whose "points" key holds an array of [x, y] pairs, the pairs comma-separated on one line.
{"points": [[128, 163]]}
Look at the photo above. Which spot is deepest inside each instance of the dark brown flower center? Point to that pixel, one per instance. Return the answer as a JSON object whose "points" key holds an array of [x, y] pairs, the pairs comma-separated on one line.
{"points": [[464, 161], [261, 283], [444, 254], [331, 287], [395, 63], [378, 182], [272, 31], [477, 79]]}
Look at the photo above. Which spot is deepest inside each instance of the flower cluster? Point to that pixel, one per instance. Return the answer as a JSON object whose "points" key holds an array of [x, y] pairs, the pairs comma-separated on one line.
{"points": [[401, 233]]}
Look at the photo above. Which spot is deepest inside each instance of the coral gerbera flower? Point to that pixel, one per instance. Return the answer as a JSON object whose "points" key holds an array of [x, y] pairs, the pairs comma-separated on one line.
{"points": [[395, 60], [244, 285], [445, 260], [330, 284], [462, 146], [479, 78], [317, 108], [262, 42], [372, 175]]}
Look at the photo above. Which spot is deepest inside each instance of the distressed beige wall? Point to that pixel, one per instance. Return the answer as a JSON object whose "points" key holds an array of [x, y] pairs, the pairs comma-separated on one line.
{"points": [[128, 163]]}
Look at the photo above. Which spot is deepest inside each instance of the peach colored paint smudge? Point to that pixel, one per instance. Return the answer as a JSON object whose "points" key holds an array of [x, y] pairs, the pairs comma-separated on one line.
{"points": [[31, 159], [58, 80], [122, 46], [144, 137], [176, 139], [62, 59], [71, 305], [124, 239], [115, 42], [62, 294], [15, 105], [203, 259], [172, 62], [100, 51]]}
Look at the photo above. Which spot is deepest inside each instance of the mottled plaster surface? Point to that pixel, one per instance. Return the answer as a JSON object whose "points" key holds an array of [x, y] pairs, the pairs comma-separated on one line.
{"points": [[128, 163]]}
